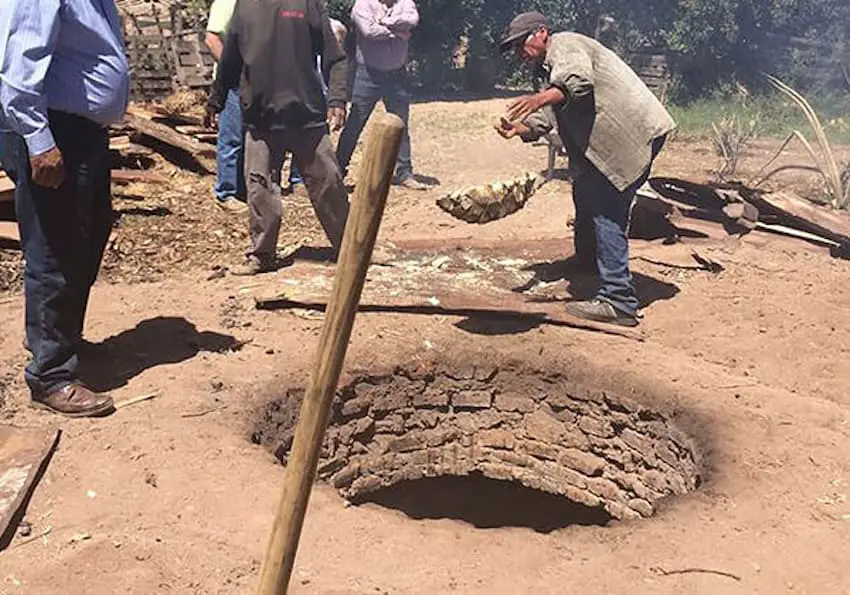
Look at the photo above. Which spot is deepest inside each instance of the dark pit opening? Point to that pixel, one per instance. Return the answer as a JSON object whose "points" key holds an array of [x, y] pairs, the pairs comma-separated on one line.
{"points": [[485, 503], [494, 444]]}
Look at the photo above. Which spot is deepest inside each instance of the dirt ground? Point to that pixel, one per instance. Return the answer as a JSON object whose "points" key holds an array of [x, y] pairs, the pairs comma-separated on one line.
{"points": [[171, 496]]}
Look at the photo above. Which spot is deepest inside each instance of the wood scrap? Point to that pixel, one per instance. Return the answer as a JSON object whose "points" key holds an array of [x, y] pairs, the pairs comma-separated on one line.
{"points": [[170, 136], [24, 455], [127, 176], [9, 232], [7, 187], [119, 143], [788, 209]]}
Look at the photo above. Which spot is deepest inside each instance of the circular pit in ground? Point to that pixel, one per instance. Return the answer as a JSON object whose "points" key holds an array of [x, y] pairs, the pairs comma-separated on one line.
{"points": [[609, 455]]}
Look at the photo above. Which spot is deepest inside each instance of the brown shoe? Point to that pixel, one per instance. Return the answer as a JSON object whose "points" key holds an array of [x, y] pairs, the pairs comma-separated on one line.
{"points": [[75, 400]]}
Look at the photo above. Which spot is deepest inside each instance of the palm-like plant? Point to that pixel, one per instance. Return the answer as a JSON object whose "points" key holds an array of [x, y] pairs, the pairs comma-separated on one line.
{"points": [[825, 162]]}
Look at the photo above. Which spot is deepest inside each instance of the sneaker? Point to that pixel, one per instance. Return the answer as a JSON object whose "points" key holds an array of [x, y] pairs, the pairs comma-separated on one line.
{"points": [[411, 183], [233, 205], [600, 311], [254, 266]]}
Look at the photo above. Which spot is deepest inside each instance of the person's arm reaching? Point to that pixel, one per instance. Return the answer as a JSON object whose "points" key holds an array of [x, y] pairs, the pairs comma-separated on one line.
{"points": [[367, 24]]}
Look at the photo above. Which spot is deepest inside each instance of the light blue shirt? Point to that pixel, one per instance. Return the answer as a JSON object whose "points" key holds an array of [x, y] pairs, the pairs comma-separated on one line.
{"points": [[66, 55]]}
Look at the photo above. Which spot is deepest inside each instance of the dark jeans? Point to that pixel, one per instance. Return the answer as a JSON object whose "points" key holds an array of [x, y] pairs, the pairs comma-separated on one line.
{"points": [[230, 182], [601, 231], [63, 235], [370, 85]]}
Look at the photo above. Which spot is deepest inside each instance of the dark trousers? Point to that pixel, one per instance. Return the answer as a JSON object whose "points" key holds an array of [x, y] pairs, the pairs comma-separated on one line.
{"points": [[601, 231], [63, 235], [370, 85], [314, 156]]}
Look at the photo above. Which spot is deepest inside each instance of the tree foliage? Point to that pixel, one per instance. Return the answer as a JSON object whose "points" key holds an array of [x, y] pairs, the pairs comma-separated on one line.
{"points": [[718, 42]]}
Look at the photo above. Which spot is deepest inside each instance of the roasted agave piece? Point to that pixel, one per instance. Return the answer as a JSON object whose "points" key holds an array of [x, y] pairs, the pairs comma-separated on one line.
{"points": [[483, 204]]}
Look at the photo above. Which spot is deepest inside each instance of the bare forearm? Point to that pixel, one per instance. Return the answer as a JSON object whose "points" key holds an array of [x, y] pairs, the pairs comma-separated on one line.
{"points": [[552, 96], [215, 45]]}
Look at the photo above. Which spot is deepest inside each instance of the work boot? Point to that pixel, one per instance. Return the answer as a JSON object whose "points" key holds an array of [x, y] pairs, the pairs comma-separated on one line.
{"points": [[75, 400], [600, 311], [254, 266]]}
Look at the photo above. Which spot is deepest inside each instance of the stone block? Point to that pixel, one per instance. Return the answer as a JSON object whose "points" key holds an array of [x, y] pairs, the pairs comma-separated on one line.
{"points": [[583, 462], [508, 457], [656, 481], [389, 401], [431, 397], [542, 426], [356, 406], [440, 436], [497, 438], [514, 402], [642, 506], [473, 399], [581, 496], [363, 428], [345, 476], [423, 418], [366, 484], [605, 488], [407, 443], [392, 424], [637, 441], [496, 471], [596, 426], [620, 511], [483, 419], [539, 450]]}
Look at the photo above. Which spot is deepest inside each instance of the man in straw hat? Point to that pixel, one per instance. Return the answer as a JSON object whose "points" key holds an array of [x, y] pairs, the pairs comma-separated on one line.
{"points": [[612, 126]]}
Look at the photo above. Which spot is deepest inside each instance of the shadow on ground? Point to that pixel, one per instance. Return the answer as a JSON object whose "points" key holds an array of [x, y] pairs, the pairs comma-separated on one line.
{"points": [[151, 343], [583, 285]]}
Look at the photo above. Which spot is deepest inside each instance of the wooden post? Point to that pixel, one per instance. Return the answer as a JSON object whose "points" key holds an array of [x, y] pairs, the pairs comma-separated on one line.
{"points": [[367, 208]]}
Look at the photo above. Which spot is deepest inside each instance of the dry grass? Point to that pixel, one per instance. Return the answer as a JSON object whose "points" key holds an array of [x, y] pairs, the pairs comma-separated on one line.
{"points": [[731, 138]]}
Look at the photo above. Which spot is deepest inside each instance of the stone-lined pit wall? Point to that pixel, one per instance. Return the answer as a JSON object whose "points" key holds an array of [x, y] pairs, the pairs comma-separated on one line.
{"points": [[538, 429]]}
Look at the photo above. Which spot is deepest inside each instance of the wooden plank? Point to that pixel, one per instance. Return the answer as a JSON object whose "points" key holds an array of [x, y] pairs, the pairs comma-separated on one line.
{"points": [[165, 134], [9, 231], [24, 455], [791, 210]]}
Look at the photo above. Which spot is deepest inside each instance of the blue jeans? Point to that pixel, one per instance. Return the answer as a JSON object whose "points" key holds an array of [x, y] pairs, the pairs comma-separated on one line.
{"points": [[230, 180], [370, 85], [601, 231], [63, 235]]}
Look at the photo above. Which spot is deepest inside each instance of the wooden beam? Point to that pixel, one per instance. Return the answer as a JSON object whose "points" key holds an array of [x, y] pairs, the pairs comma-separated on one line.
{"points": [[361, 230], [168, 135]]}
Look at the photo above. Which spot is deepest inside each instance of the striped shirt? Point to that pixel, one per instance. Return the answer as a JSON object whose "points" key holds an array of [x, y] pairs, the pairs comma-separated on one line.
{"points": [[383, 32], [65, 55]]}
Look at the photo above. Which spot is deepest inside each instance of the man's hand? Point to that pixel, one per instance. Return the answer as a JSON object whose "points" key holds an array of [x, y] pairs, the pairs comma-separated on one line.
{"points": [[523, 107], [48, 169], [507, 129], [210, 119], [336, 118]]}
